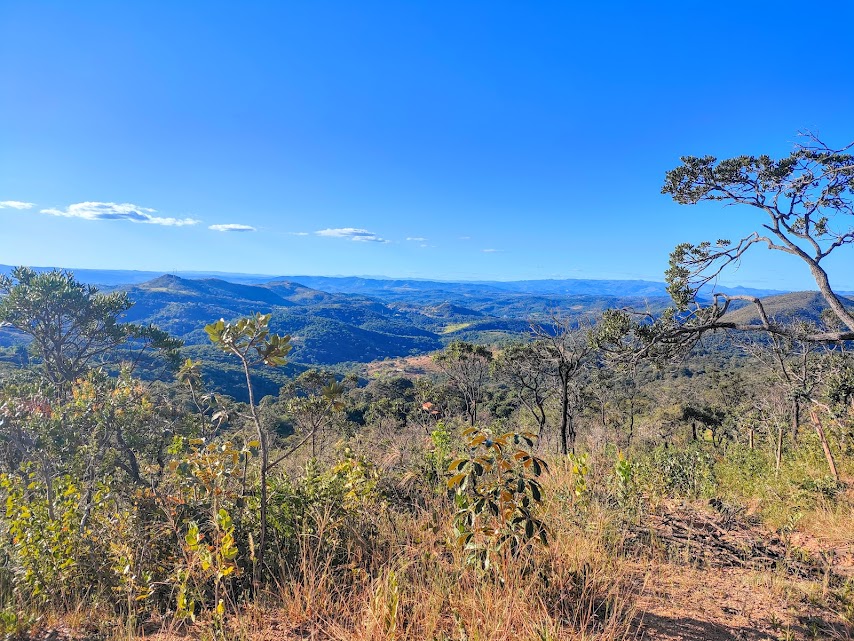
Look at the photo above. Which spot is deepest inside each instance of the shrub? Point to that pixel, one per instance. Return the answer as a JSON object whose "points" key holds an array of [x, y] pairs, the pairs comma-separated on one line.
{"points": [[497, 495], [676, 473]]}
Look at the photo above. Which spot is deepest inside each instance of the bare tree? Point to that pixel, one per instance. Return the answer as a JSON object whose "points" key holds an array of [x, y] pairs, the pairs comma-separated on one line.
{"points": [[564, 350], [467, 367], [520, 367], [798, 366]]}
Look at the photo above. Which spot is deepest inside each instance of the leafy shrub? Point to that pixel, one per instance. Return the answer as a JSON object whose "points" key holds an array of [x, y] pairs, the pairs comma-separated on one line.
{"points": [[826, 486], [332, 509], [625, 485], [677, 473], [43, 525], [497, 495]]}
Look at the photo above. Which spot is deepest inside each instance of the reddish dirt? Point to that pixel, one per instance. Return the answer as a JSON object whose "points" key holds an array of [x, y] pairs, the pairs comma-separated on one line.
{"points": [[722, 604], [408, 366]]}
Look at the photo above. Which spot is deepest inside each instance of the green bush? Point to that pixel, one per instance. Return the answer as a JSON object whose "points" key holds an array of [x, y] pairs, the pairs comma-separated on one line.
{"points": [[676, 473]]}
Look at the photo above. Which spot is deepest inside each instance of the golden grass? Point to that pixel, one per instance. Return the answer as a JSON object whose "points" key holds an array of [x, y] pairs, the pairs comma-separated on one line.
{"points": [[420, 588], [400, 578], [454, 327]]}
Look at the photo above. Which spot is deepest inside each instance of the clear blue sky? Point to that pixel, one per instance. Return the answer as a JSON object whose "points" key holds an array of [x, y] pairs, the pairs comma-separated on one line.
{"points": [[509, 139]]}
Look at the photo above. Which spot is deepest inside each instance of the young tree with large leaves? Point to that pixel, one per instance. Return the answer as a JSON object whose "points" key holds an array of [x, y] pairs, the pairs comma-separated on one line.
{"points": [[249, 339]]}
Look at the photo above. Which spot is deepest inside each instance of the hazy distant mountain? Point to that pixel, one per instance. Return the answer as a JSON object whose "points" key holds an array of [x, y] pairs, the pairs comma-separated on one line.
{"points": [[116, 277], [402, 289], [398, 288]]}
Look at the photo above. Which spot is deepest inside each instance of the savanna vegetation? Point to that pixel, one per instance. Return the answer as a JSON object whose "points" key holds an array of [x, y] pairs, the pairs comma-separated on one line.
{"points": [[685, 474]]}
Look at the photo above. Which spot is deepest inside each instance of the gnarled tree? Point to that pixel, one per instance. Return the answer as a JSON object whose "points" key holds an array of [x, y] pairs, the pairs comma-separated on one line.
{"points": [[467, 368], [807, 200], [564, 352], [520, 368]]}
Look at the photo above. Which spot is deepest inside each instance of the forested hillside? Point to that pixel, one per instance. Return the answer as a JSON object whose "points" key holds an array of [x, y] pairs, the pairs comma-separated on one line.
{"points": [[397, 320], [334, 328]]}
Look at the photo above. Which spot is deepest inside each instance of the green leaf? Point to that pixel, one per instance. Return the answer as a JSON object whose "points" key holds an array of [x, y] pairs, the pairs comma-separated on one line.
{"points": [[463, 539]]}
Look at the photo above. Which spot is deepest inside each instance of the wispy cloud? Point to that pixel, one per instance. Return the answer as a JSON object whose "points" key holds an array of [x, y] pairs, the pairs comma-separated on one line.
{"points": [[114, 211], [491, 251], [232, 227], [351, 233], [465, 237], [15, 204], [417, 239], [298, 233]]}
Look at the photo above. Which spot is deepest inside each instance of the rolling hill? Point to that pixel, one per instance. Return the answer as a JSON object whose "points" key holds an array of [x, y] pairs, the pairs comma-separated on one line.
{"points": [[336, 320]]}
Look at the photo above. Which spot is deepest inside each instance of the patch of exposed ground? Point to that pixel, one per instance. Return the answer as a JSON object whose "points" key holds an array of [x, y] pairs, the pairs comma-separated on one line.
{"points": [[405, 366], [716, 574], [685, 603]]}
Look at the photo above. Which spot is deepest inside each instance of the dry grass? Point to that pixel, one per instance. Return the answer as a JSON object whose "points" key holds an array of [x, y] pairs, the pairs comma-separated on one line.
{"points": [[400, 578], [417, 586], [422, 588]]}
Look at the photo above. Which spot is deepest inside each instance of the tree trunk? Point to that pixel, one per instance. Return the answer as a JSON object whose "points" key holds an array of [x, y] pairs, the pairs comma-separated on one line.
{"points": [[796, 419], [564, 413], [571, 432], [540, 416], [631, 423], [265, 460], [830, 296], [824, 445], [779, 453]]}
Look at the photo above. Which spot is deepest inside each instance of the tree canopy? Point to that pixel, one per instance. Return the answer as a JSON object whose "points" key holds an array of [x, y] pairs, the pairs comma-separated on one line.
{"points": [[807, 199], [72, 324]]}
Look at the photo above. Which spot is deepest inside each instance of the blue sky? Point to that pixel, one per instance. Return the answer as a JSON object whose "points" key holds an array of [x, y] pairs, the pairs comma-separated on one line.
{"points": [[457, 140]]}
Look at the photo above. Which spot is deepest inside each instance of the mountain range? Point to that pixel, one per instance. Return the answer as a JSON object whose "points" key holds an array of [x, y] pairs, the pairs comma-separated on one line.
{"points": [[336, 320], [383, 287]]}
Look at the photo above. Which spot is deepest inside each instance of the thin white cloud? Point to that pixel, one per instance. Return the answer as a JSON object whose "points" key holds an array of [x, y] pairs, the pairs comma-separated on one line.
{"points": [[490, 251], [351, 233], [15, 204], [298, 233], [465, 237], [115, 211], [417, 239], [232, 227]]}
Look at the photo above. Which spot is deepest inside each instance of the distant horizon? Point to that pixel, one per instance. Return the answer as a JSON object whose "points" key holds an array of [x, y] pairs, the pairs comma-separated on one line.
{"points": [[274, 276], [330, 275]]}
